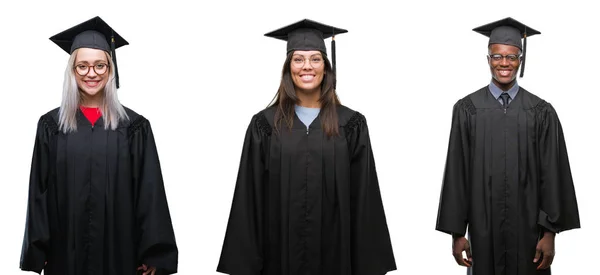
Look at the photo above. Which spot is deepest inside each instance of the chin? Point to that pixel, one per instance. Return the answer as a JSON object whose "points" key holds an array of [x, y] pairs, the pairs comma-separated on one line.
{"points": [[90, 92], [505, 80], [308, 86]]}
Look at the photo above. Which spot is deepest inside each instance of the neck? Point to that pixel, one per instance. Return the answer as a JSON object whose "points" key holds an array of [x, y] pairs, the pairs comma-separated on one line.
{"points": [[309, 99], [94, 101], [504, 87]]}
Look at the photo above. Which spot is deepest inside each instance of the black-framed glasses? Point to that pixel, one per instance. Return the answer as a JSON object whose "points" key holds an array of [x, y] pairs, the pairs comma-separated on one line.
{"points": [[316, 61], [509, 57], [83, 69]]}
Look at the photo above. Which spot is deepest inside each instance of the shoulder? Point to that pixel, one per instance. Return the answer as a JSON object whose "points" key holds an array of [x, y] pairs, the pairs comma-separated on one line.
{"points": [[133, 117], [49, 121], [478, 95], [466, 103], [268, 112], [532, 101], [134, 123], [52, 114], [347, 115], [263, 120], [350, 119]]}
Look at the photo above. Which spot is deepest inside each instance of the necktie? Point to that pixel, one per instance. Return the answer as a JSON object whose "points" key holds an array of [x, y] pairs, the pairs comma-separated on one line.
{"points": [[505, 98]]}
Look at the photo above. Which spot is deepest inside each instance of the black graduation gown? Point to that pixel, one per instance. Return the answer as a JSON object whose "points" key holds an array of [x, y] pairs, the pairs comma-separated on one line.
{"points": [[305, 204], [97, 204], [507, 178]]}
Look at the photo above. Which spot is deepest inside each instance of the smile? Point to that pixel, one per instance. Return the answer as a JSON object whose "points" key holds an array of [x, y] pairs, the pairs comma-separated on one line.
{"points": [[503, 72], [92, 83], [307, 77]]}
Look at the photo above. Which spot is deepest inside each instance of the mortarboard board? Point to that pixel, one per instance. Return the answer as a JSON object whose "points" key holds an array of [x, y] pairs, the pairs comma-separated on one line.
{"points": [[95, 34], [308, 35], [508, 31]]}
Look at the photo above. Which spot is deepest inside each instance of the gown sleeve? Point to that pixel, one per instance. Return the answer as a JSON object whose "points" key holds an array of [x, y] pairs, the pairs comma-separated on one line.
{"points": [[157, 246], [453, 206], [558, 204], [242, 252], [372, 252], [36, 241]]}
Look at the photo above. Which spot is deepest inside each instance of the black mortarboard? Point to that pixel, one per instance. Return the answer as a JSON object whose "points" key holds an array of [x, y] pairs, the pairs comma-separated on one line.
{"points": [[508, 31], [308, 35], [95, 34]]}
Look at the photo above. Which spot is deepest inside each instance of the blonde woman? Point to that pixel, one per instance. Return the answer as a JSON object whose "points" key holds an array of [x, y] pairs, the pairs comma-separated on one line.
{"points": [[97, 203]]}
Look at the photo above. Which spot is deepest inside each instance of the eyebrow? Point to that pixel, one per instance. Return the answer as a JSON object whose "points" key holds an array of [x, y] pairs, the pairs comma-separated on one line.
{"points": [[95, 62], [312, 55]]}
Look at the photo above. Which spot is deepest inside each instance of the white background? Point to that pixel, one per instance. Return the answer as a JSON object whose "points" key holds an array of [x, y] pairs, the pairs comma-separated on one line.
{"points": [[199, 72]]}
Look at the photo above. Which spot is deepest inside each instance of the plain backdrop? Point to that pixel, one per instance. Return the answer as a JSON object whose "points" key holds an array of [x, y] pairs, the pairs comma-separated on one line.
{"points": [[199, 70]]}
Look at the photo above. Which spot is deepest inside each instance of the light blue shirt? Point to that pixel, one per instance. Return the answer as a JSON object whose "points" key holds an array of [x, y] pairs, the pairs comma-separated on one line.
{"points": [[307, 115], [496, 92]]}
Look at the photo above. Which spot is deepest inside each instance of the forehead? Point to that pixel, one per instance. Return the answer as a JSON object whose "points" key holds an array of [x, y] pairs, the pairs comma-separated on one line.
{"points": [[90, 55], [503, 49], [307, 53]]}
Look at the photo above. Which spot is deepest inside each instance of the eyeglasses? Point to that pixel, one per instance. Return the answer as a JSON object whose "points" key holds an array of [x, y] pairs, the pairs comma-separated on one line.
{"points": [[99, 69], [316, 61], [509, 57]]}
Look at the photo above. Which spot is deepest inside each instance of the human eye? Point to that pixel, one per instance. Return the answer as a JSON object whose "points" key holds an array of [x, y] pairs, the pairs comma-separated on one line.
{"points": [[298, 59], [496, 57]]}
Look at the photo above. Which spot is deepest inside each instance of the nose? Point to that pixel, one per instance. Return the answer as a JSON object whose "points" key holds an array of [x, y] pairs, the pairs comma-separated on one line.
{"points": [[307, 65], [91, 73], [504, 61]]}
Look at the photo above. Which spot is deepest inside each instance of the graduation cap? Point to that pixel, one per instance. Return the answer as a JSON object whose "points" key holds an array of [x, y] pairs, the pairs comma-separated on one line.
{"points": [[508, 31], [95, 34], [308, 35]]}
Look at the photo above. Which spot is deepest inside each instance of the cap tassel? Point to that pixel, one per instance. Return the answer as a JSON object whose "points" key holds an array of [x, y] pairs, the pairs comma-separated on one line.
{"points": [[114, 57], [333, 52], [524, 54], [333, 57]]}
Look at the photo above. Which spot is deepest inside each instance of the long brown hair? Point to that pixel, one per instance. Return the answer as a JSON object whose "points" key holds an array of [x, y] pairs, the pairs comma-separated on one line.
{"points": [[286, 98]]}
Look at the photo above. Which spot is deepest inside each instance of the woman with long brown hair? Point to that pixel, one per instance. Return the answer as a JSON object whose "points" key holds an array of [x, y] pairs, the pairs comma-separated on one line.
{"points": [[307, 198]]}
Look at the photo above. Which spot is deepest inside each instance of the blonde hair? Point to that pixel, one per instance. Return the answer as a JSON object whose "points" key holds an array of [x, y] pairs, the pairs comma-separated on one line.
{"points": [[112, 110]]}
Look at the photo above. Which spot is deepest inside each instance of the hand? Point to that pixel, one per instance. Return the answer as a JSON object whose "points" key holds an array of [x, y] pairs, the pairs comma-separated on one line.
{"points": [[147, 270], [460, 244], [545, 248]]}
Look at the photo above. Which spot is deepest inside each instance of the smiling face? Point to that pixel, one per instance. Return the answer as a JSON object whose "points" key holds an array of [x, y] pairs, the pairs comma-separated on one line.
{"points": [[307, 70], [504, 71], [95, 63]]}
